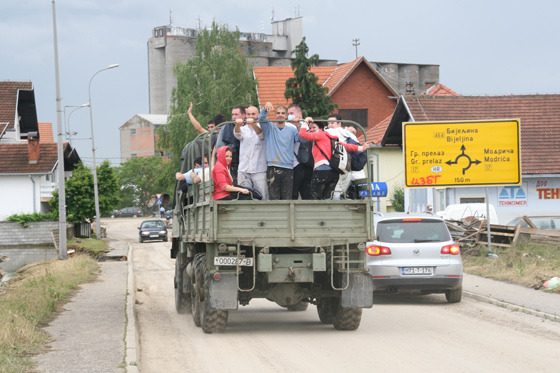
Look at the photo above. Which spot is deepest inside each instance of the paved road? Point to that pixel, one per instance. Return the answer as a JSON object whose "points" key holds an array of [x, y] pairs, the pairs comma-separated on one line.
{"points": [[420, 333]]}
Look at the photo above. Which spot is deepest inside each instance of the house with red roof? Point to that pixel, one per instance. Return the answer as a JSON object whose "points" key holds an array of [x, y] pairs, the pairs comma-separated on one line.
{"points": [[29, 155], [361, 93], [539, 192]]}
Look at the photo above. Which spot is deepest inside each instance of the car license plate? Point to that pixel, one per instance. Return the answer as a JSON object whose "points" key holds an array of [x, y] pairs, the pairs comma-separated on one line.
{"points": [[232, 261], [154, 235], [417, 270]]}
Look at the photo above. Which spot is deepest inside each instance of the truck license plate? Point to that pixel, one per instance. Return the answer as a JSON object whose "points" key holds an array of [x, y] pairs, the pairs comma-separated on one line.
{"points": [[417, 270], [232, 261]]}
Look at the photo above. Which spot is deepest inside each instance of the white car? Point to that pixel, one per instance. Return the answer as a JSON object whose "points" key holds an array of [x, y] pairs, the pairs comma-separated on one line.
{"points": [[415, 253]]}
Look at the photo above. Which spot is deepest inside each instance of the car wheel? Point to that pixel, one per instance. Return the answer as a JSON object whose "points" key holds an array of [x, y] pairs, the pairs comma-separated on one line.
{"points": [[165, 239], [454, 296], [140, 240]]}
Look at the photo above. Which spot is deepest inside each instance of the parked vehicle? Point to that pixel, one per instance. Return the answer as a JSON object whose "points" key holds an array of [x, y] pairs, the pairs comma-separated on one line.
{"points": [[541, 222], [462, 211], [291, 252], [152, 230], [130, 212], [414, 253]]}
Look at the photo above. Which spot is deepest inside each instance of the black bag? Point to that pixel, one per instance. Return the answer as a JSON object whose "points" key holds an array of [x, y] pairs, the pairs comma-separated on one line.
{"points": [[359, 159], [339, 159], [305, 153]]}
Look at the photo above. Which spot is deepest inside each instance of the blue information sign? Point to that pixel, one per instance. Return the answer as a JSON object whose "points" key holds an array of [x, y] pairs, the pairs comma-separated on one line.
{"points": [[377, 190]]}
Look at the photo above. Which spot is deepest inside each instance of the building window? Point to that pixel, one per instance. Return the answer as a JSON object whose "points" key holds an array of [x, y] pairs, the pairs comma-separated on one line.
{"points": [[359, 116], [133, 131], [134, 155], [472, 200]]}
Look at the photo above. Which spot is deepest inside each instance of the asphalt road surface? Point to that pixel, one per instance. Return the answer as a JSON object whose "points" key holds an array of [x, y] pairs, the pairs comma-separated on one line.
{"points": [[412, 333]]}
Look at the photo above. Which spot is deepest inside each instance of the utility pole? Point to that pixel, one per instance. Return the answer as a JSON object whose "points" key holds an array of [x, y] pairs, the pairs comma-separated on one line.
{"points": [[62, 247], [355, 43]]}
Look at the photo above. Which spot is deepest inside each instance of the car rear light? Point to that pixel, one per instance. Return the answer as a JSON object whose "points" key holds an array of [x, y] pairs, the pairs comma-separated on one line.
{"points": [[452, 249], [376, 250], [217, 276], [412, 219]]}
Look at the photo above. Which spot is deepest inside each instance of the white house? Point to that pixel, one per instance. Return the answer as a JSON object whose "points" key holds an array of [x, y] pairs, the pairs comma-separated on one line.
{"points": [[28, 153]]}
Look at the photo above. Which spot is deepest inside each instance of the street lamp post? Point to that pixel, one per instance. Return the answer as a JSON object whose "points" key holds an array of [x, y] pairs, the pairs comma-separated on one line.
{"points": [[67, 122], [95, 191]]}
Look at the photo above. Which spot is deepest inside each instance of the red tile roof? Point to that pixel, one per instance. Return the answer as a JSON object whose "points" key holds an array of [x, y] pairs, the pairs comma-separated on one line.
{"points": [[439, 90], [8, 100], [46, 132], [272, 80], [15, 159], [376, 133], [539, 115]]}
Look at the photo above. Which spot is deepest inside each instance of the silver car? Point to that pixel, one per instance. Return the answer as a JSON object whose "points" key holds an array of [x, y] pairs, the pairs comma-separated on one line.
{"points": [[415, 253]]}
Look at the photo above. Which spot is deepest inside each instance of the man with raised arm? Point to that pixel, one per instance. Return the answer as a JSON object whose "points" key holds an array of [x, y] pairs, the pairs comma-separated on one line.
{"points": [[280, 138], [251, 172]]}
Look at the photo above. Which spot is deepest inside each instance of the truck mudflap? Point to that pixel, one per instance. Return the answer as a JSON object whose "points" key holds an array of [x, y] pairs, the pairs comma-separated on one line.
{"points": [[359, 292], [223, 292]]}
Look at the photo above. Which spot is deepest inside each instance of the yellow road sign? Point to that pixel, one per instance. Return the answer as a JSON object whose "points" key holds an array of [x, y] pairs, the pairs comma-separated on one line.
{"points": [[470, 153]]}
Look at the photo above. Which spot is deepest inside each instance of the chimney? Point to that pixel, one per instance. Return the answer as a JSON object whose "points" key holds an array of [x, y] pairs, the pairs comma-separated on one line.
{"points": [[33, 147]]}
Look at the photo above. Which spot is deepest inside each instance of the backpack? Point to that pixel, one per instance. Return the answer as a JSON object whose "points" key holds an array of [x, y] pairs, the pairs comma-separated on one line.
{"points": [[339, 159], [305, 154], [359, 159]]}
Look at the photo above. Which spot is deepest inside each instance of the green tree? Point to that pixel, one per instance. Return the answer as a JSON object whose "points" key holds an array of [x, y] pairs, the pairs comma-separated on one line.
{"points": [[216, 79], [303, 88], [397, 199], [141, 179], [80, 198]]}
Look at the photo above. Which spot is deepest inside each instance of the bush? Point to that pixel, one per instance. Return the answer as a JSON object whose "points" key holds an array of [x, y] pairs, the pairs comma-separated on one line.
{"points": [[23, 219]]}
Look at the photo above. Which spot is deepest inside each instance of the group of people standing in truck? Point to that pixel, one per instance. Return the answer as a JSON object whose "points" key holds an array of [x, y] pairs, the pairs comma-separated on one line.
{"points": [[279, 160]]}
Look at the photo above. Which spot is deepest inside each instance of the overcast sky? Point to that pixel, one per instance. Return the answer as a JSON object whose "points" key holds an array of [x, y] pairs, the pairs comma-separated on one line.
{"points": [[489, 47]]}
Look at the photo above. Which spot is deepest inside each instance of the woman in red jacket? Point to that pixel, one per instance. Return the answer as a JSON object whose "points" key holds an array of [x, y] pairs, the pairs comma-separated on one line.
{"points": [[223, 183], [324, 178]]}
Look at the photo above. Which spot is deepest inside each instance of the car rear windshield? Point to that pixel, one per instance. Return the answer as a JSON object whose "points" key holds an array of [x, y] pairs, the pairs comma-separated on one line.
{"points": [[399, 231]]}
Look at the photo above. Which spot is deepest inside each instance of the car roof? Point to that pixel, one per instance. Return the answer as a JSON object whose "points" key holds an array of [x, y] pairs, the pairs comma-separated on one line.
{"points": [[151, 220], [404, 215]]}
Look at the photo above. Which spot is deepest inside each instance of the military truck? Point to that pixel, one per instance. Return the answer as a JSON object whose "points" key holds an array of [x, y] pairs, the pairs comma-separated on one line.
{"points": [[292, 252]]}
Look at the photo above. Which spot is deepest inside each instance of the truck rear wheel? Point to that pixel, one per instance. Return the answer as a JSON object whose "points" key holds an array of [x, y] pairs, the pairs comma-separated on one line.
{"points": [[346, 318], [324, 309], [199, 263], [212, 321], [182, 300]]}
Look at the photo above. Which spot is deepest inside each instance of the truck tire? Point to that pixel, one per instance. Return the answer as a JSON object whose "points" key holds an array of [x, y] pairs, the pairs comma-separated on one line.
{"points": [[454, 296], [346, 318], [324, 310], [182, 300], [300, 306], [199, 263], [212, 321]]}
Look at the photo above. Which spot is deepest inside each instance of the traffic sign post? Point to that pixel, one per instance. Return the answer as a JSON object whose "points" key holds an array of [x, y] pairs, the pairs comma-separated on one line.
{"points": [[469, 153]]}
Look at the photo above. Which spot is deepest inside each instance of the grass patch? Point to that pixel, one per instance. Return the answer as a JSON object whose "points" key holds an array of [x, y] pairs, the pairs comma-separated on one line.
{"points": [[526, 264], [91, 246], [30, 300]]}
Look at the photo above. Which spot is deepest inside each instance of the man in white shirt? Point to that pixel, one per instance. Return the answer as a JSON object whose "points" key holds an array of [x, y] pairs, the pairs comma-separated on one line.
{"points": [[251, 172], [336, 129]]}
